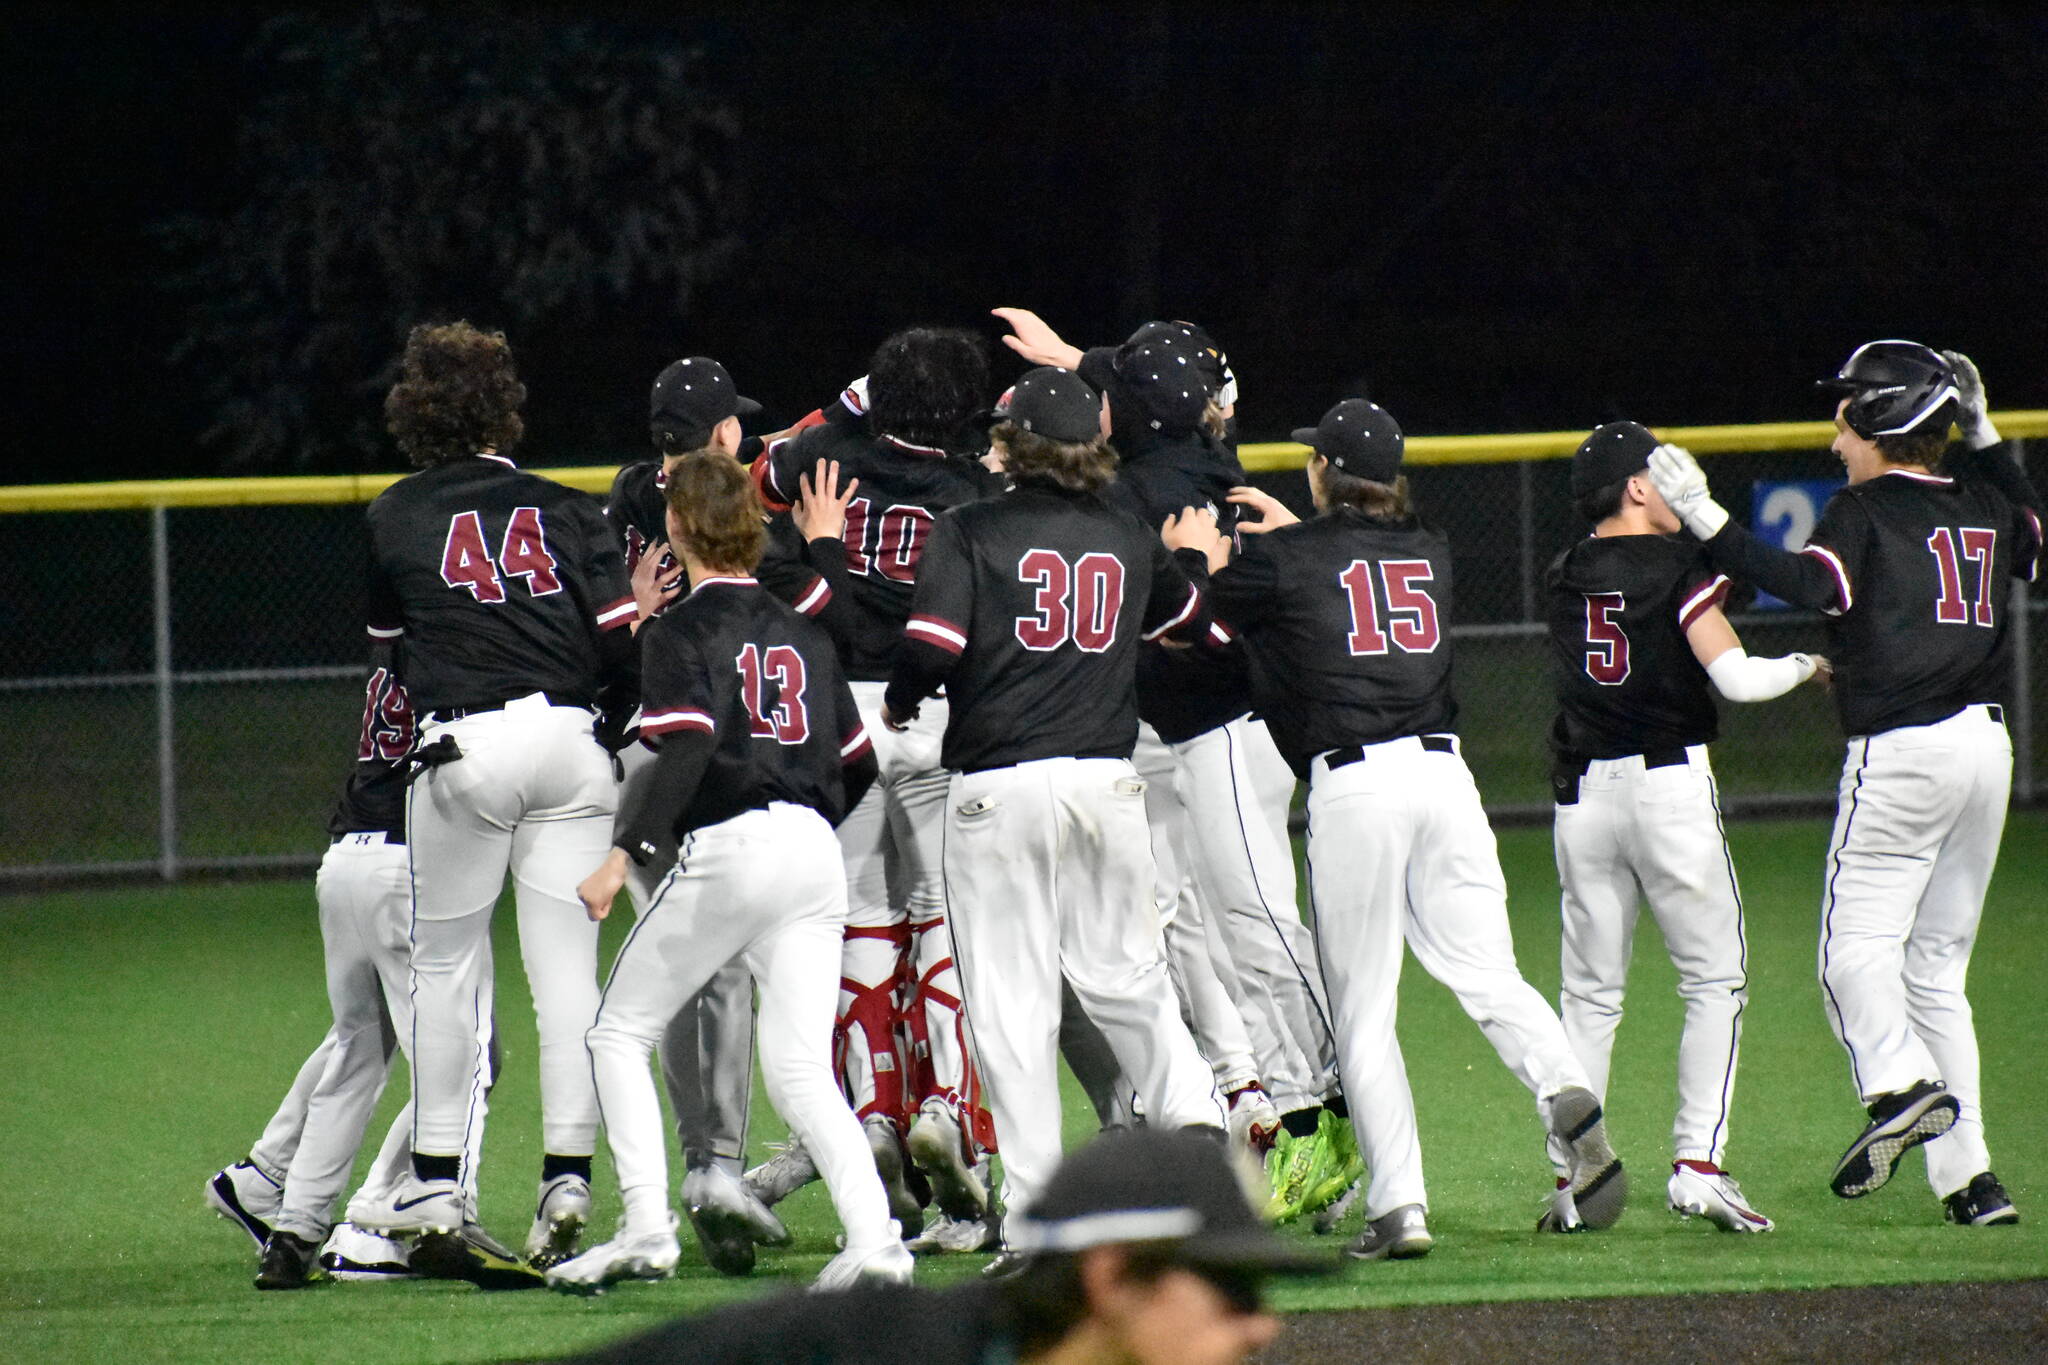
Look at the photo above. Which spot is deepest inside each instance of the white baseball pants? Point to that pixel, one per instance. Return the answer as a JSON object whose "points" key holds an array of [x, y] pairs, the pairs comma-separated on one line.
{"points": [[1399, 848], [1917, 828], [362, 891], [533, 793], [1049, 875], [1655, 833], [765, 886], [1211, 1013], [1237, 790]]}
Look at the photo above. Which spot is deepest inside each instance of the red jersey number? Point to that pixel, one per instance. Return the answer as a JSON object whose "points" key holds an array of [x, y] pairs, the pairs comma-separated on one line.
{"points": [[779, 715], [1075, 603], [1411, 617], [387, 720], [1606, 642], [466, 561], [1979, 545], [890, 544]]}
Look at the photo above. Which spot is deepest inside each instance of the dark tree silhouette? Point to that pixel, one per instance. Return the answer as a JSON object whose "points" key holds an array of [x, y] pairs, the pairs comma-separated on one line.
{"points": [[563, 182]]}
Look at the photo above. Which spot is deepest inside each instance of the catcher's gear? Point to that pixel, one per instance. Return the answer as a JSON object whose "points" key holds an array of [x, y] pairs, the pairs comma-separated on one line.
{"points": [[1973, 410], [1683, 484], [1894, 387]]}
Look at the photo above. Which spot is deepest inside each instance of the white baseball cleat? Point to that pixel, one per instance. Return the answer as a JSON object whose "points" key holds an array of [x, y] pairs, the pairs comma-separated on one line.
{"points": [[1253, 1122], [1562, 1214], [782, 1174], [938, 1149], [944, 1234], [351, 1253], [560, 1212], [649, 1254], [1714, 1196], [888, 1263], [416, 1206], [246, 1197]]}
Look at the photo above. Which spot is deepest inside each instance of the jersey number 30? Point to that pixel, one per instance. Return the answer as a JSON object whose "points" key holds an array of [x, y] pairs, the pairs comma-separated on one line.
{"points": [[1411, 611], [1076, 602], [466, 562]]}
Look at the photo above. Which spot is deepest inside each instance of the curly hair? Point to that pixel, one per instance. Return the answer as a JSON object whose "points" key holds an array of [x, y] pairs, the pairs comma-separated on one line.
{"points": [[1083, 466], [925, 382], [457, 393], [717, 511]]}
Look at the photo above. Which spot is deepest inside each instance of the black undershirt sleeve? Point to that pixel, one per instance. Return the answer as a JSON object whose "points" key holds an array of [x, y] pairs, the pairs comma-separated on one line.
{"points": [[1999, 467], [1796, 578], [650, 822]]}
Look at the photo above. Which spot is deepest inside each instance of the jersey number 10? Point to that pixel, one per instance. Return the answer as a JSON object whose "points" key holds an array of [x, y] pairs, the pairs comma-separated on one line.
{"points": [[1411, 611]]}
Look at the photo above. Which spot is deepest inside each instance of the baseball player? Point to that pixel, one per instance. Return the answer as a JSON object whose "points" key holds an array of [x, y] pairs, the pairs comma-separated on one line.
{"points": [[1231, 786], [1029, 611], [511, 603], [911, 461], [1637, 637], [284, 1193], [761, 748], [1910, 562], [1344, 617], [707, 1053]]}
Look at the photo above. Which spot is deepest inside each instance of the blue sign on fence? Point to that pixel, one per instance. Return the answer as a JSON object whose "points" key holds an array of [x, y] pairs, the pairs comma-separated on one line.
{"points": [[1784, 514]]}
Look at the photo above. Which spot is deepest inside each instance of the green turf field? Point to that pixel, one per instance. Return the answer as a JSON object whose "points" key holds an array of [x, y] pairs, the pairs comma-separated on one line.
{"points": [[149, 1033]]}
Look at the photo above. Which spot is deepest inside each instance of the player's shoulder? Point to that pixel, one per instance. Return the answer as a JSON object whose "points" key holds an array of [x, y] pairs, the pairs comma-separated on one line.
{"points": [[1630, 564], [635, 480]]}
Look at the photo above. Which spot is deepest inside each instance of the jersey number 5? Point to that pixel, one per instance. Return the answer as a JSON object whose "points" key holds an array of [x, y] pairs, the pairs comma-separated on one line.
{"points": [[1411, 612], [466, 563], [779, 715], [1978, 544], [1606, 643]]}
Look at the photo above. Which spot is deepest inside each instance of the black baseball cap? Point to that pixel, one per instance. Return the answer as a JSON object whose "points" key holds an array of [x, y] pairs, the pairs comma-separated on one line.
{"points": [[691, 397], [1160, 369], [1054, 403], [1156, 1185], [1614, 451], [1215, 365], [1359, 438]]}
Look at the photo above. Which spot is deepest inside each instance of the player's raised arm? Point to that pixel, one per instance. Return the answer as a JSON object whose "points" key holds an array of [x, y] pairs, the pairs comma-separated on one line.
{"points": [[1816, 577], [1987, 458]]}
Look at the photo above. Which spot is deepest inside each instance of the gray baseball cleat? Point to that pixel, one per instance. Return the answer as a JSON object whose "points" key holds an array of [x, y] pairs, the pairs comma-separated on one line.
{"points": [[781, 1175], [1401, 1235], [1598, 1185], [938, 1149], [887, 1149]]}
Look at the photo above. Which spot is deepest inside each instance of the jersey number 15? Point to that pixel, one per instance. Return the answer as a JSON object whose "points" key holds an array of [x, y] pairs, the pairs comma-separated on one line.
{"points": [[1411, 611]]}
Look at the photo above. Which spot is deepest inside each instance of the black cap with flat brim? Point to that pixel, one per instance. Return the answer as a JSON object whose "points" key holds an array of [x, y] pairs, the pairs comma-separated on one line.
{"points": [[1153, 1186], [1359, 438]]}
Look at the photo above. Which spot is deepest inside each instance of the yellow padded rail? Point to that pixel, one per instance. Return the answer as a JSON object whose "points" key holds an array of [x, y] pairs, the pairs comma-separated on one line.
{"points": [[1262, 457]]}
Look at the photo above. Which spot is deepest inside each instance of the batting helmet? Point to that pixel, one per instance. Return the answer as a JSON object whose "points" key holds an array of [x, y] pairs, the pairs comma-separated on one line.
{"points": [[1894, 387]]}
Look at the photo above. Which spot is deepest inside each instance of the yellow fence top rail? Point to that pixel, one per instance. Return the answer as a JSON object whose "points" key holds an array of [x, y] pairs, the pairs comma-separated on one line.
{"points": [[1265, 457]]}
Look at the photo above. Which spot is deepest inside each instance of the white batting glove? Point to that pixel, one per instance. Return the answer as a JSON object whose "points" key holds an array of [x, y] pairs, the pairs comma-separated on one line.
{"points": [[1975, 418], [1683, 484]]}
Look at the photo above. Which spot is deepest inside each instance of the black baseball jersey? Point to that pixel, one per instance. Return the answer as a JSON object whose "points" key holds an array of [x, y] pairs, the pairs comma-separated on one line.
{"points": [[1183, 692], [1346, 622], [1627, 679], [1030, 610], [731, 661], [1913, 569], [903, 490], [373, 799], [637, 508], [498, 583]]}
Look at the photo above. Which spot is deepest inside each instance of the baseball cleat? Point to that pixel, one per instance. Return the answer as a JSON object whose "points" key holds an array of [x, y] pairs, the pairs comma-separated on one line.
{"points": [[246, 1197], [782, 1174], [1337, 1166], [1326, 1220], [1253, 1122], [1714, 1196], [1598, 1185], [938, 1149], [1981, 1204], [1561, 1214], [350, 1253], [728, 1221], [473, 1255], [1899, 1122], [644, 1255], [944, 1235], [289, 1262], [888, 1263], [1401, 1235], [1291, 1162], [417, 1206], [887, 1148], [558, 1218]]}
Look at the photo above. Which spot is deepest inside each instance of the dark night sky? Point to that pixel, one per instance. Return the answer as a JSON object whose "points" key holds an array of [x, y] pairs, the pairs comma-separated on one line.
{"points": [[1492, 219]]}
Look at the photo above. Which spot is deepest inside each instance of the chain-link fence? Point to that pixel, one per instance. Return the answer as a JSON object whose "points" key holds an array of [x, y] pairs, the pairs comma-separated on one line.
{"points": [[179, 685]]}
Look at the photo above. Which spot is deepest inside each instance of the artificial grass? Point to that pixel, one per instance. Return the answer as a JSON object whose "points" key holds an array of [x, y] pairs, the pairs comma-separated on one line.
{"points": [[150, 1032]]}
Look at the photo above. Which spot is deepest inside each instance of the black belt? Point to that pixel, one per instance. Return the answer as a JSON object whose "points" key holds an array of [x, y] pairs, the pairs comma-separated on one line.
{"points": [[1353, 753], [1564, 778], [442, 715]]}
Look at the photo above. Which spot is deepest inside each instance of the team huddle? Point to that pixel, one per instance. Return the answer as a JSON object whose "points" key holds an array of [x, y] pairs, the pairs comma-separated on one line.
{"points": [[941, 735]]}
